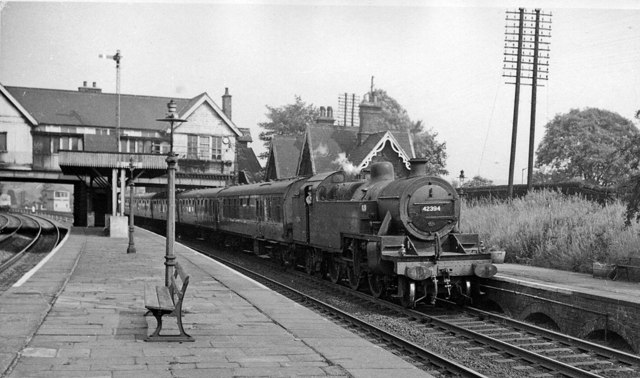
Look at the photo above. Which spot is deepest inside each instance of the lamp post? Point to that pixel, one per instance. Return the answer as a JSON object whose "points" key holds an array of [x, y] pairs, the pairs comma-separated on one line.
{"points": [[132, 246], [172, 159], [462, 178]]}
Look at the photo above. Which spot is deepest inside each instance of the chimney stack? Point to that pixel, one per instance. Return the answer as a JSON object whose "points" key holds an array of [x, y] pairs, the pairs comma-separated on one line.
{"points": [[226, 103], [371, 121], [326, 116], [86, 89]]}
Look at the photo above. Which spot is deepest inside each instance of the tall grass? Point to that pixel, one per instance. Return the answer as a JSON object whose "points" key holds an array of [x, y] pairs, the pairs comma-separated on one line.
{"points": [[551, 230]]}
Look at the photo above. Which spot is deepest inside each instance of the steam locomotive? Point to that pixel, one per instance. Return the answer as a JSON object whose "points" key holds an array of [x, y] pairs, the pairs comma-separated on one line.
{"points": [[398, 235]]}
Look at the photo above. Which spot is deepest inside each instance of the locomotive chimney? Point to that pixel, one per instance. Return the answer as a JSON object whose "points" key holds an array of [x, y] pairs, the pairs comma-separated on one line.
{"points": [[382, 171], [418, 167]]}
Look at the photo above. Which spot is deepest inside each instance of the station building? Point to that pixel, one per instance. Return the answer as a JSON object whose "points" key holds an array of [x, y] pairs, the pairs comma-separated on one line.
{"points": [[97, 141]]}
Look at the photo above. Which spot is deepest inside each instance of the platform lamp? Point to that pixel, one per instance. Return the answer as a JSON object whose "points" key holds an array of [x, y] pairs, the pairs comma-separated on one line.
{"points": [[172, 159], [132, 245]]}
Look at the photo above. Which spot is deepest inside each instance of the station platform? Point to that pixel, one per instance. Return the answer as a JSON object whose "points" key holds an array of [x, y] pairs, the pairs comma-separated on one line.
{"points": [[81, 314], [569, 283]]}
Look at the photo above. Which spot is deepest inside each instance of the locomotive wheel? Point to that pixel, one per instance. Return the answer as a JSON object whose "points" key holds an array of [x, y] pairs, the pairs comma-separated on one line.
{"points": [[335, 270], [355, 278], [407, 292], [377, 286]]}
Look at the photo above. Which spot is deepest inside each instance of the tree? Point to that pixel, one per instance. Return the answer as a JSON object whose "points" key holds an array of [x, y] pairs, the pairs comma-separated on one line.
{"points": [[477, 181], [592, 144], [291, 119], [394, 116], [425, 144]]}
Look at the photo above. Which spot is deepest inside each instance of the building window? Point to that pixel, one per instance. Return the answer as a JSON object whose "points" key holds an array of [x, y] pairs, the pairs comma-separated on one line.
{"points": [[216, 148], [192, 147], [73, 143], [204, 149], [3, 141], [102, 132]]}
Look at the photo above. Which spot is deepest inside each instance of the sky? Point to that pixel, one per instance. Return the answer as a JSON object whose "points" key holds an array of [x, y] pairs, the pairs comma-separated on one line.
{"points": [[441, 60]]}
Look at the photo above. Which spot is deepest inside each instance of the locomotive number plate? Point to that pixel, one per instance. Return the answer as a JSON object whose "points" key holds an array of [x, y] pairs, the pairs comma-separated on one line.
{"points": [[428, 209]]}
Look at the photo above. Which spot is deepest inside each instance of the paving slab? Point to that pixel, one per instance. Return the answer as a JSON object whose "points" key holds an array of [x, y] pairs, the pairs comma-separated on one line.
{"points": [[82, 315]]}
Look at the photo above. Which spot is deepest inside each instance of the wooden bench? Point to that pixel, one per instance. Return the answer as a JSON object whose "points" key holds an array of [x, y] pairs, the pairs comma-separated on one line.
{"points": [[632, 264], [163, 300]]}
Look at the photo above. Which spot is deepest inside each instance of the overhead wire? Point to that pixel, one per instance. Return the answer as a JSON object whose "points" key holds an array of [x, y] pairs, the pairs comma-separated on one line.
{"points": [[486, 137]]}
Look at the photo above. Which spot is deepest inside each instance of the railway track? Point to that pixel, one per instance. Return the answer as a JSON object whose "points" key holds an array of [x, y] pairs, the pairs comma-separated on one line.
{"points": [[560, 353], [421, 357], [24, 240], [515, 348]]}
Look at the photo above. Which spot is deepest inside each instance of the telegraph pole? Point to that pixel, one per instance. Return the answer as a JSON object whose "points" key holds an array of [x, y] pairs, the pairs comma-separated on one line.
{"points": [[531, 64], [516, 104]]}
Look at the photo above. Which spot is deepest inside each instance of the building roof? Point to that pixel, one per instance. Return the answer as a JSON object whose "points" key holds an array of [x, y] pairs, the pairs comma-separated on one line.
{"points": [[246, 135], [79, 108], [329, 145], [248, 163], [326, 143], [374, 144], [17, 105], [283, 156]]}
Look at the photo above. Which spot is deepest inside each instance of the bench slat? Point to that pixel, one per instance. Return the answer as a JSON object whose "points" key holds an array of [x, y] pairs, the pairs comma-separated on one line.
{"points": [[164, 297], [160, 300]]}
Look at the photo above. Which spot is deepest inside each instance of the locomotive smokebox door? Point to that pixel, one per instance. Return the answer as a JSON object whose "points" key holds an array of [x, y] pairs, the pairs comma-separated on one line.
{"points": [[430, 208]]}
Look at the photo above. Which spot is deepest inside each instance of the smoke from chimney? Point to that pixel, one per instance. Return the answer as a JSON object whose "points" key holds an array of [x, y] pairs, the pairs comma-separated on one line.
{"points": [[345, 164]]}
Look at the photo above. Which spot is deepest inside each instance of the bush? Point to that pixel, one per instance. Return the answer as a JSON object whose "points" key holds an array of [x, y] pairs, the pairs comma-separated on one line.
{"points": [[552, 230]]}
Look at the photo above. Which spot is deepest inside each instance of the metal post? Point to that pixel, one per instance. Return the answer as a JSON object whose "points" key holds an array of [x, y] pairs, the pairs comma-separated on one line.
{"points": [[132, 246], [346, 102], [117, 57], [172, 160], [114, 191], [123, 179], [534, 93], [514, 131]]}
